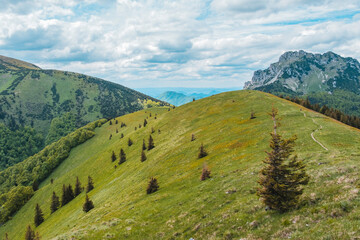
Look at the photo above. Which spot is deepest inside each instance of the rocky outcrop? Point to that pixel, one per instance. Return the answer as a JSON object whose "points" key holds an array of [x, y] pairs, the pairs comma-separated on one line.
{"points": [[304, 72]]}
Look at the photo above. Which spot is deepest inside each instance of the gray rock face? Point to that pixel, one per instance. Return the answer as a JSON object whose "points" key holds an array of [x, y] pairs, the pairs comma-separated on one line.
{"points": [[304, 72]]}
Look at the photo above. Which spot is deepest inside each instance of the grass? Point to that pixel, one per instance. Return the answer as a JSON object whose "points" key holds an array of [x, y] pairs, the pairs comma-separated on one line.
{"points": [[222, 207]]}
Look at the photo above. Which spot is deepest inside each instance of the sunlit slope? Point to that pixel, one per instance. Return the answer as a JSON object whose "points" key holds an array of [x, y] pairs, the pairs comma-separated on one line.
{"points": [[223, 207]]}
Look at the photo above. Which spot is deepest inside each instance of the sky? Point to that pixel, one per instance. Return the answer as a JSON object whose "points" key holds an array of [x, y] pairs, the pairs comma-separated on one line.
{"points": [[184, 43]]}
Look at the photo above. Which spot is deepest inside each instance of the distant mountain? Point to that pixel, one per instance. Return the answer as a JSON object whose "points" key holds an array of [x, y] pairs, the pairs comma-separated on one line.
{"points": [[57, 101], [180, 96], [325, 78]]}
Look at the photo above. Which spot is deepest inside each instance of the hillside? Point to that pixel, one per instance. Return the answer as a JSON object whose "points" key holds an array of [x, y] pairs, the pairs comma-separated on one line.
{"points": [[33, 97], [223, 207]]}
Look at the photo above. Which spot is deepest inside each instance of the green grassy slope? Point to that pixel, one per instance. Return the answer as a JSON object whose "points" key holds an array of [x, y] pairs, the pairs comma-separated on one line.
{"points": [[223, 207]]}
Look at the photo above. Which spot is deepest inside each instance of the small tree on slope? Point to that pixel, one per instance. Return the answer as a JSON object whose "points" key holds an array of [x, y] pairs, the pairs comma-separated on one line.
{"points": [[282, 176], [55, 203], [88, 205], [39, 216], [90, 185]]}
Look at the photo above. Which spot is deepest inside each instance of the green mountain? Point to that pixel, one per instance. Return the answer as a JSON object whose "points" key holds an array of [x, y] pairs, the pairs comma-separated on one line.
{"points": [[324, 78], [222, 207], [55, 103]]}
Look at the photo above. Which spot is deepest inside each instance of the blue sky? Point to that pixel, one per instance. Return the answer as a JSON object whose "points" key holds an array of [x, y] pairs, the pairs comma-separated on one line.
{"points": [[192, 43]]}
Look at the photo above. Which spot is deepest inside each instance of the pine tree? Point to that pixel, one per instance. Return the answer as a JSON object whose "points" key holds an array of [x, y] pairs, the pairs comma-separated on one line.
{"points": [[193, 137], [282, 176], [144, 145], [110, 136], [130, 142], [122, 135], [110, 123], [70, 193], [205, 173], [151, 143], [122, 156], [35, 185], [54, 203], [143, 156], [116, 121], [39, 216], [88, 205], [152, 130], [152, 186], [64, 199], [78, 188], [29, 234], [145, 122], [113, 157], [202, 152], [90, 185]]}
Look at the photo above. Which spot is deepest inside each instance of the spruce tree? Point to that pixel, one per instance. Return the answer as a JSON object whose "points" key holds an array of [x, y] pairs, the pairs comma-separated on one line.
{"points": [[283, 174], [205, 173], [39, 216], [78, 188], [29, 234], [70, 193], [143, 145], [145, 122], [193, 137], [35, 185], [153, 186], [116, 121], [110, 123], [113, 156], [117, 131], [88, 205], [122, 156], [130, 142], [151, 143], [152, 130], [90, 185], [202, 152], [64, 199], [55, 203], [143, 156], [122, 135]]}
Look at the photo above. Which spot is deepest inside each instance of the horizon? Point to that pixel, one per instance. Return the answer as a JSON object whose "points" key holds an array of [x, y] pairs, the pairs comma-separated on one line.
{"points": [[212, 43]]}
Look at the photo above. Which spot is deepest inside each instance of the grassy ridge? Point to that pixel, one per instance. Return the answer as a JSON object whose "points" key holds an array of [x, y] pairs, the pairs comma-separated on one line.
{"points": [[223, 207]]}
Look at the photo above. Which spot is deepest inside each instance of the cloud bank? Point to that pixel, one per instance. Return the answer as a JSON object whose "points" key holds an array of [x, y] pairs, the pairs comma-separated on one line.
{"points": [[197, 43]]}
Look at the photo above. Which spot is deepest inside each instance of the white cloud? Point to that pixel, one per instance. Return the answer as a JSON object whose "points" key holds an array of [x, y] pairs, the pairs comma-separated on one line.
{"points": [[195, 43]]}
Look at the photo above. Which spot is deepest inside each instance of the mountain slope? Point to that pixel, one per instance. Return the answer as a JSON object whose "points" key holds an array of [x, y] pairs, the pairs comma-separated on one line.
{"points": [[223, 207], [303, 72], [30, 96], [326, 79], [175, 98]]}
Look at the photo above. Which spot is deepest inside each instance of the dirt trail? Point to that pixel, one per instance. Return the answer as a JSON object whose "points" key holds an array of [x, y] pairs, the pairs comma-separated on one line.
{"points": [[312, 134]]}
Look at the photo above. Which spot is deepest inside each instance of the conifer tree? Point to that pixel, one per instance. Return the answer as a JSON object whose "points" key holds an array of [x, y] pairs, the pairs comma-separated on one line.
{"points": [[139, 126], [78, 188], [110, 136], [122, 135], [117, 131], [145, 122], [90, 185], [205, 173], [143, 156], [110, 123], [130, 142], [202, 152], [88, 205], [152, 130], [122, 156], [70, 193], [150, 115], [55, 203], [153, 186], [283, 174], [64, 199], [35, 185], [151, 144], [39, 216], [193, 137], [113, 156], [29, 234], [143, 145], [116, 121]]}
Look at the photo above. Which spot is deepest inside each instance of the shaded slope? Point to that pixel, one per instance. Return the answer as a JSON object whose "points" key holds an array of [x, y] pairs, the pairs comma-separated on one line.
{"points": [[222, 207]]}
